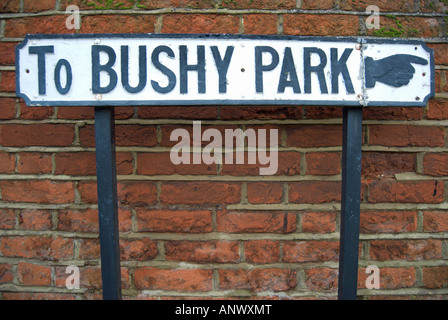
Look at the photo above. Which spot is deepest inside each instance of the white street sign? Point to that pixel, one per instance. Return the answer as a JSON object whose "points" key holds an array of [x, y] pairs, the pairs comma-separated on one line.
{"points": [[161, 69]]}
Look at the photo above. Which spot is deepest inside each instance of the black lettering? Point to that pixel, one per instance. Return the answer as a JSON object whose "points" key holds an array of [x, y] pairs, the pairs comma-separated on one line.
{"points": [[142, 69], [41, 68], [288, 70], [260, 68], [222, 65], [340, 66], [97, 68], [166, 71], [319, 69], [185, 67], [57, 76]]}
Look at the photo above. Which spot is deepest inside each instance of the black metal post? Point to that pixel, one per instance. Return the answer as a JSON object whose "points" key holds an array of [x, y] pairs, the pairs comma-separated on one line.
{"points": [[107, 202], [350, 203]]}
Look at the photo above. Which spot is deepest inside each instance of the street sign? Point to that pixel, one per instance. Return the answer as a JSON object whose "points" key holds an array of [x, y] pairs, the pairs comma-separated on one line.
{"points": [[161, 69]]}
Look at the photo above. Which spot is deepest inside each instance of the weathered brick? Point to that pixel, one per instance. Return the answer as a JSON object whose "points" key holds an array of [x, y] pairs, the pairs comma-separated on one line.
{"points": [[322, 163], [194, 280], [383, 5], [320, 25], [198, 23], [256, 222], [388, 221], [202, 251], [6, 273], [38, 191], [7, 108], [435, 221], [34, 162], [33, 274], [257, 279], [406, 191], [33, 219], [9, 6], [190, 112], [8, 81], [435, 164], [7, 53], [19, 27], [157, 163], [313, 136], [406, 136], [314, 191], [35, 113], [195, 221], [321, 279], [262, 251], [380, 164], [410, 250], [310, 251], [36, 247], [125, 135], [118, 23], [437, 109], [318, 222], [39, 134], [38, 6], [7, 219], [200, 192], [7, 162], [390, 278], [260, 23], [317, 4], [435, 277], [264, 192], [395, 113]]}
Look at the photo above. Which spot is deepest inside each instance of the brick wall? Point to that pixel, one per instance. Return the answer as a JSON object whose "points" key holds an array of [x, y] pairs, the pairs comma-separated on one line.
{"points": [[223, 230]]}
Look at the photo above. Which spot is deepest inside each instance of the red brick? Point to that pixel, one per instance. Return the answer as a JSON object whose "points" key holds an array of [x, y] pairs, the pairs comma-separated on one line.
{"points": [[118, 23], [7, 219], [320, 25], [7, 51], [317, 4], [35, 113], [322, 163], [9, 6], [440, 53], [388, 221], [406, 191], [260, 23], [313, 136], [75, 163], [409, 26], [155, 163], [34, 162], [314, 191], [173, 112], [383, 5], [6, 273], [125, 135], [390, 278], [39, 191], [310, 251], [194, 280], [260, 4], [138, 249], [202, 251], [435, 277], [379, 164], [395, 113], [329, 112], [262, 251], [38, 6], [435, 164], [433, 6], [406, 136], [190, 4], [33, 274], [90, 278], [200, 23], [7, 162], [37, 296], [87, 220], [437, 109], [7, 108], [256, 112], [257, 279], [8, 81], [19, 27], [200, 192], [78, 113], [36, 247], [89, 249], [37, 135], [321, 279], [409, 250], [197, 221], [264, 192], [435, 221], [33, 219], [256, 222], [288, 163], [318, 222]]}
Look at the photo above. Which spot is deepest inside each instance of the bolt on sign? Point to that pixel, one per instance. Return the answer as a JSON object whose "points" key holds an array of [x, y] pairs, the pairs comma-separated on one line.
{"points": [[160, 69]]}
